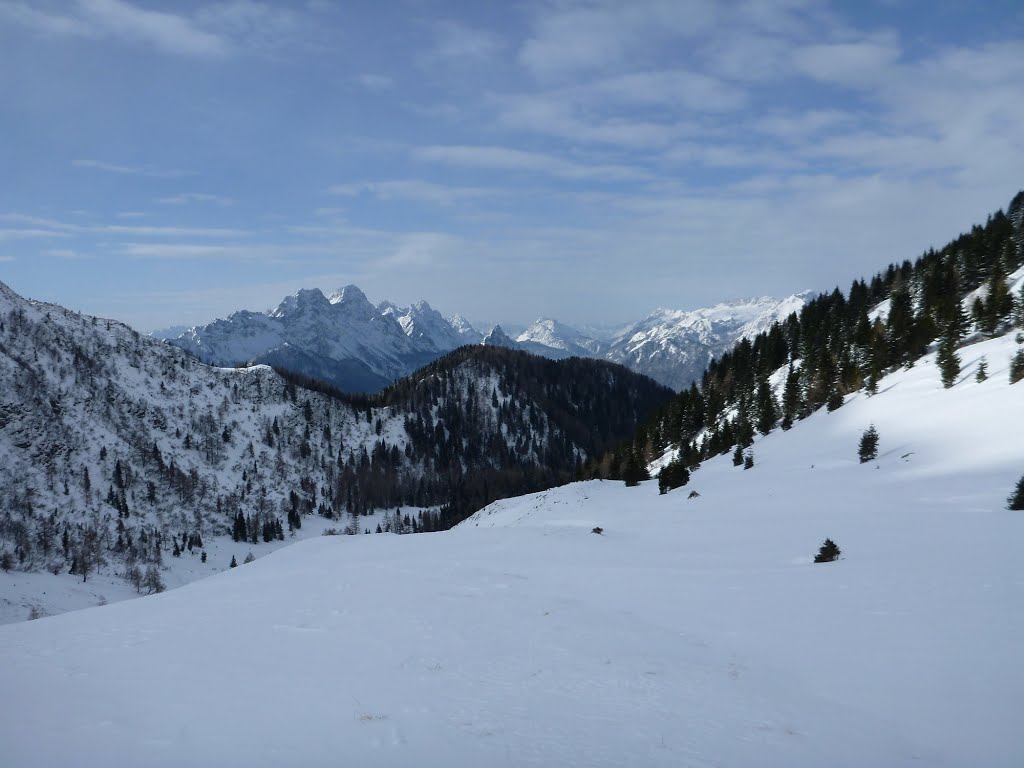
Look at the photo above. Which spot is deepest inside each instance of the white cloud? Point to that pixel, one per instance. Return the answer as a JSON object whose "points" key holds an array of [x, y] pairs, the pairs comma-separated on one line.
{"points": [[184, 198], [569, 39], [517, 160], [167, 32], [132, 170], [67, 254], [372, 81], [415, 190], [44, 24], [455, 40], [860, 64]]}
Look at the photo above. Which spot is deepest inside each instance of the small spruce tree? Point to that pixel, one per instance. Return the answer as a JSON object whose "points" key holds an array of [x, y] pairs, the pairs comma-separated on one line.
{"points": [[248, 559], [748, 460], [234, 563], [828, 553], [982, 373], [737, 456], [1016, 500], [868, 449]]}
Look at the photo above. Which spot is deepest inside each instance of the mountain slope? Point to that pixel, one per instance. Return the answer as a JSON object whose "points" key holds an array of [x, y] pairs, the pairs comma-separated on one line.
{"points": [[675, 346], [691, 632], [116, 450]]}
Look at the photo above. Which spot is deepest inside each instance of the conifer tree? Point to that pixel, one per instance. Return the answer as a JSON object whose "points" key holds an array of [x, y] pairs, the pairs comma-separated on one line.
{"points": [[828, 553], [1017, 366], [234, 563], [1016, 500], [737, 456], [748, 460], [635, 471], [948, 362], [790, 398], [673, 475], [868, 449], [982, 373], [767, 409]]}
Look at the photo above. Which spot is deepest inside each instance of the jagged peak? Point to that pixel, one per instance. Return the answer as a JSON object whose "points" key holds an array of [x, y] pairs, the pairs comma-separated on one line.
{"points": [[302, 299], [349, 294], [498, 338]]}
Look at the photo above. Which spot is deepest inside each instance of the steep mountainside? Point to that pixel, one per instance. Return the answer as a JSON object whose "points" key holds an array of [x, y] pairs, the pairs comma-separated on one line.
{"points": [[118, 449]]}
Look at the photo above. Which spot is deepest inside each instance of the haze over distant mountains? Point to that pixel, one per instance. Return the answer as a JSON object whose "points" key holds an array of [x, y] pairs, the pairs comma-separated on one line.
{"points": [[345, 340]]}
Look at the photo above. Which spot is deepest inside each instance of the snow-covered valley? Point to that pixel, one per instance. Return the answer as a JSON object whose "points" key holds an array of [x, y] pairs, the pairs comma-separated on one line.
{"points": [[690, 632]]}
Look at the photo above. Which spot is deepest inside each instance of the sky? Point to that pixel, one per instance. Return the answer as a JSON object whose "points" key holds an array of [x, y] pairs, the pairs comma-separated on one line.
{"points": [[169, 163]]}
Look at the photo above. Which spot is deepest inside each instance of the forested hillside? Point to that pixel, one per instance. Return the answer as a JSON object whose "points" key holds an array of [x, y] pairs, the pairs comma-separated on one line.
{"points": [[841, 343]]}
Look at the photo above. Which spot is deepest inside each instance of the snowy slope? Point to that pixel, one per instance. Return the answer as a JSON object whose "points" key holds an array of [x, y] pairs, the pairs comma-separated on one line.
{"points": [[549, 335], [692, 632]]}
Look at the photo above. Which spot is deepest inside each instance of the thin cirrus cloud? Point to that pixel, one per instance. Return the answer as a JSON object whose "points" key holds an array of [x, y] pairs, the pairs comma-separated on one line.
{"points": [[516, 160], [215, 31], [131, 170], [415, 190]]}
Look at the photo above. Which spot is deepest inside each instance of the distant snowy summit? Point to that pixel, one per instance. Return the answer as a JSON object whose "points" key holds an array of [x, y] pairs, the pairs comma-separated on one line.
{"points": [[348, 342], [673, 347], [342, 339]]}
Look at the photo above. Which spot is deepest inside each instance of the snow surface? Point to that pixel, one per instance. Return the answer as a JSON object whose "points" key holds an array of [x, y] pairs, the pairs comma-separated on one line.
{"points": [[692, 632]]}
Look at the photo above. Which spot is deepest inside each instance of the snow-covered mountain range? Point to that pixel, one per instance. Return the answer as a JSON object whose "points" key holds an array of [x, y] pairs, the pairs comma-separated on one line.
{"points": [[348, 342]]}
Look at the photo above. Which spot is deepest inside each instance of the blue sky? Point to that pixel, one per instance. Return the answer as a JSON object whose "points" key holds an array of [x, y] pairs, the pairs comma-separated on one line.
{"points": [[169, 163]]}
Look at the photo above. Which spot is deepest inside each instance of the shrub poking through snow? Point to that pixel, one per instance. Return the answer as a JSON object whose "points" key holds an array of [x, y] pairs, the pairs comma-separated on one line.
{"points": [[1016, 500], [828, 553], [868, 450], [598, 530]]}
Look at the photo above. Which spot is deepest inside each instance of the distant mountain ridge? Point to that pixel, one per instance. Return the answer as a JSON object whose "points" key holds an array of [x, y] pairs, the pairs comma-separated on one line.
{"points": [[347, 342]]}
